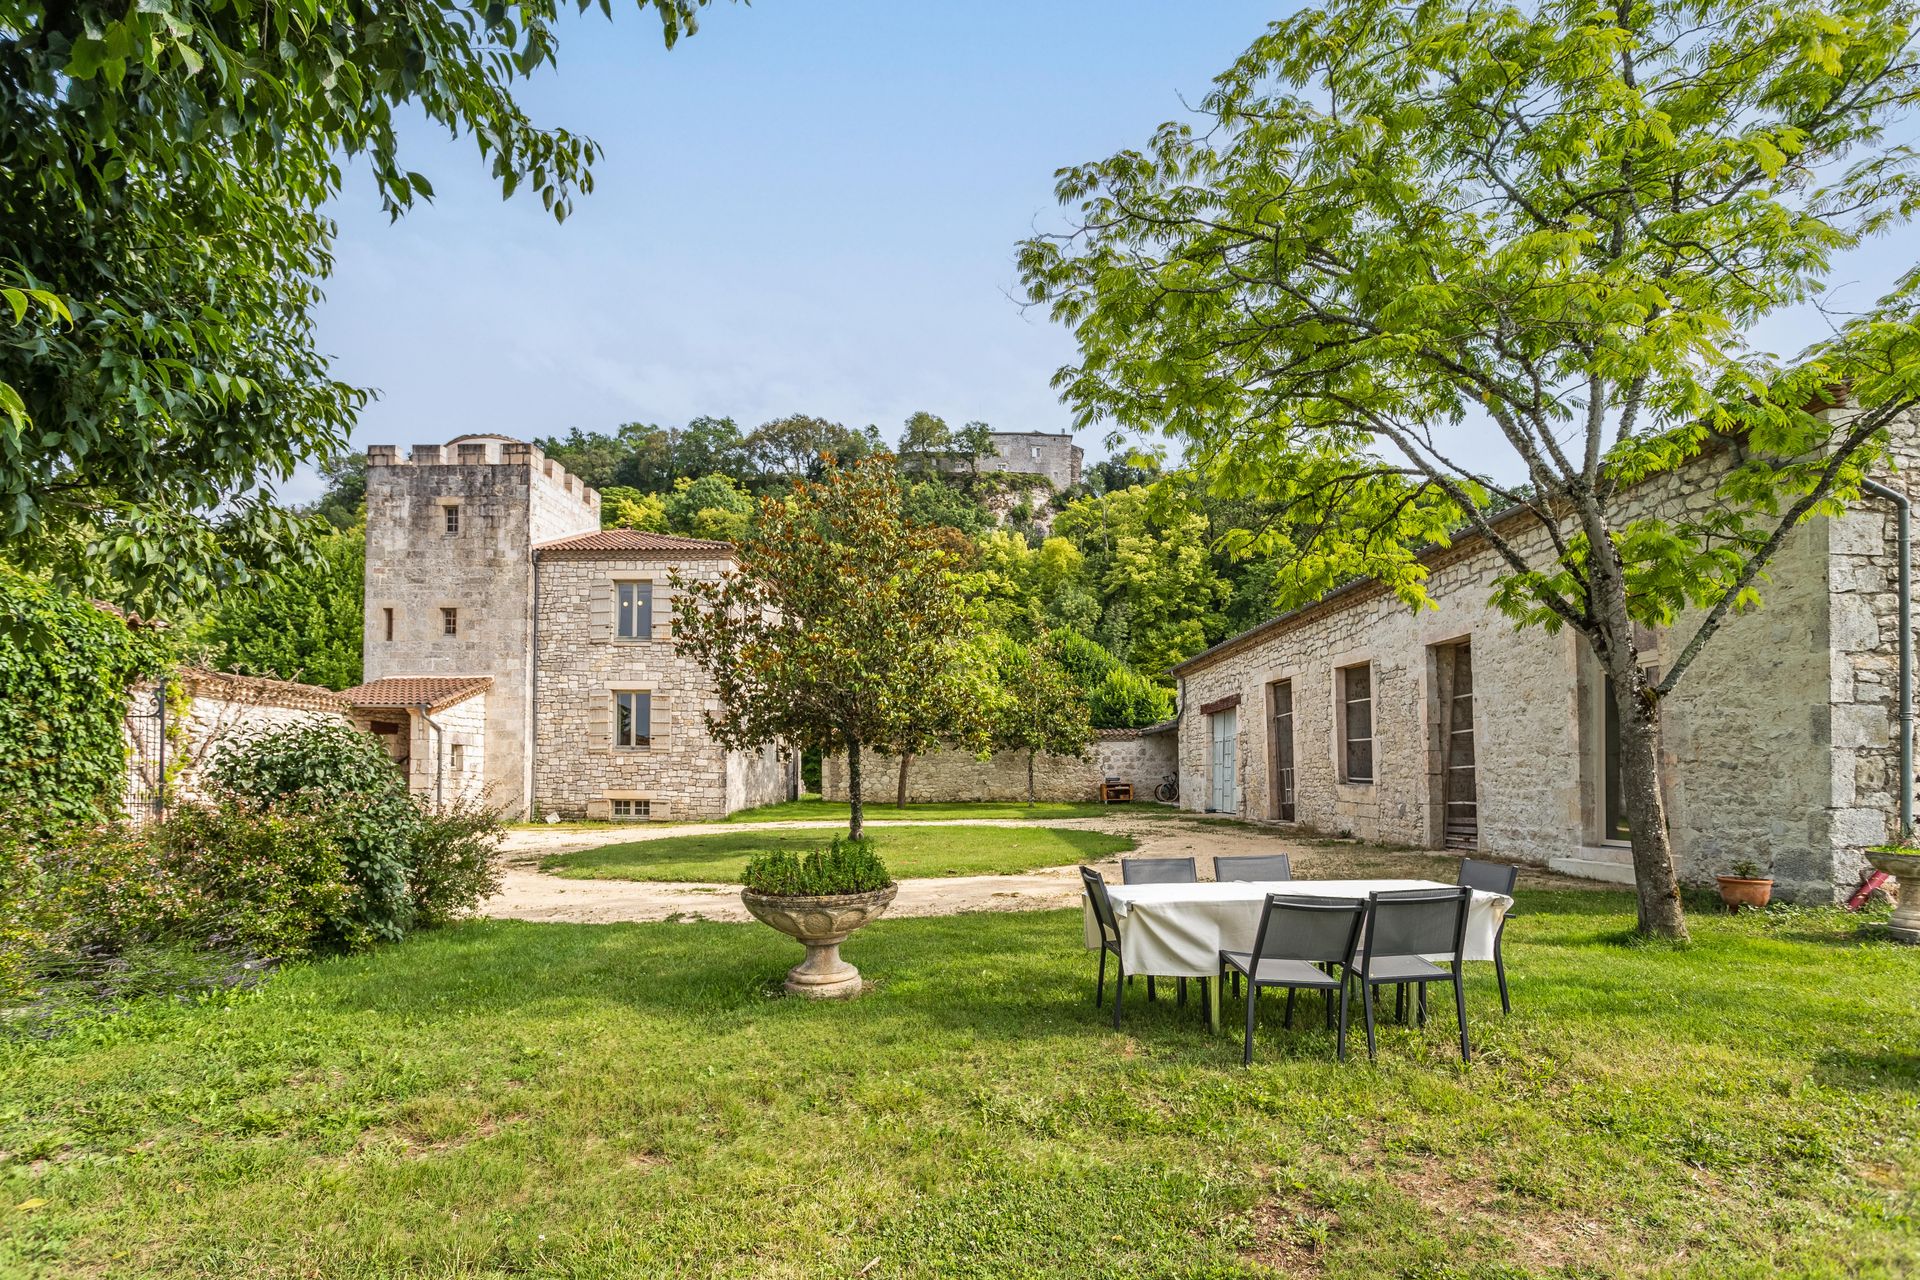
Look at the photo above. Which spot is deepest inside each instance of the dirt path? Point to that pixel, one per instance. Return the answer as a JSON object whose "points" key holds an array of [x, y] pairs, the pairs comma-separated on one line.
{"points": [[527, 893]]}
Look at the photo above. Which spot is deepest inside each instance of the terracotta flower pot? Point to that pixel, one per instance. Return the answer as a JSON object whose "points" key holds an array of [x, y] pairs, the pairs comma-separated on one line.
{"points": [[1904, 866], [820, 924], [1745, 891]]}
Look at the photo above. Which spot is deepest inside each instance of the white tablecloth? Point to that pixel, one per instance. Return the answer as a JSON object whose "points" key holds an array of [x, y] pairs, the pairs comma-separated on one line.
{"points": [[1179, 930]]}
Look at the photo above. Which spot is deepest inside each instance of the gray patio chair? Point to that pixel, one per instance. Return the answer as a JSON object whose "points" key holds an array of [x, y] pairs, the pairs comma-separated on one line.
{"points": [[1109, 940], [1253, 867], [1493, 877], [1302, 944], [1404, 927], [1161, 871]]}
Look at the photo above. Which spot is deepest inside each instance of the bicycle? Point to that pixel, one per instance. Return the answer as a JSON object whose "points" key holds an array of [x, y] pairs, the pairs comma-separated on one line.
{"points": [[1169, 789]]}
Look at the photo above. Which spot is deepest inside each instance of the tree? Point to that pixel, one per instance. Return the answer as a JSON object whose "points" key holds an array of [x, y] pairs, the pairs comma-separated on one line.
{"points": [[840, 615], [166, 175], [712, 446], [625, 508], [344, 504], [307, 625], [710, 507], [1564, 218], [1038, 709], [925, 442], [1147, 551], [949, 708], [801, 446]]}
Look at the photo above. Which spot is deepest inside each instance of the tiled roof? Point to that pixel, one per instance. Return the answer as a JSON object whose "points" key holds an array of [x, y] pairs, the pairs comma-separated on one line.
{"points": [[634, 542], [411, 691], [223, 686], [1111, 735]]}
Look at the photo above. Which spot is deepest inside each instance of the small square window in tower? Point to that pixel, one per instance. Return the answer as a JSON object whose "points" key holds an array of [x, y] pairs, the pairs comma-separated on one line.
{"points": [[453, 517], [450, 622], [633, 610]]}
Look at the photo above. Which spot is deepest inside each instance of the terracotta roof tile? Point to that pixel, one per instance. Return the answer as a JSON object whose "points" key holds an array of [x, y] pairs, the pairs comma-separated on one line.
{"points": [[411, 691], [632, 542], [1114, 735]]}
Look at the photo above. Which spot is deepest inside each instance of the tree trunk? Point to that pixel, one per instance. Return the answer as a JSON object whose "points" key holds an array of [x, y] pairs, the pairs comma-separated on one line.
{"points": [[900, 801], [1654, 881], [857, 818], [1029, 775], [1653, 875]]}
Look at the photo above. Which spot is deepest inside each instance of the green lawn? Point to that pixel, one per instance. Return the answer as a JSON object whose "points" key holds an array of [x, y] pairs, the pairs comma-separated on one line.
{"points": [[591, 1102], [910, 852], [816, 809]]}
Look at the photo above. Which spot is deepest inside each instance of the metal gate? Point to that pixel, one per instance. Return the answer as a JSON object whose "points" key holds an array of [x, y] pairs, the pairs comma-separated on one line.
{"points": [[147, 753]]}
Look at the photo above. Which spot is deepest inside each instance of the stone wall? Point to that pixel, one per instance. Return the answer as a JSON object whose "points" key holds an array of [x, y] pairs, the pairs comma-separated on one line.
{"points": [[220, 711], [578, 772], [1745, 736], [510, 497], [948, 776], [761, 777], [1040, 453], [447, 754]]}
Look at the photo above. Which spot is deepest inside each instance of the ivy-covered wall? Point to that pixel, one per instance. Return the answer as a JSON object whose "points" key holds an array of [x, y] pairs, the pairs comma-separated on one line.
{"points": [[65, 668]]}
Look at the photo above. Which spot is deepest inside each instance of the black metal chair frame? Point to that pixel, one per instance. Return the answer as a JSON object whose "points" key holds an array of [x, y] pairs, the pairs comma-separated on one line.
{"points": [[1225, 862], [1149, 871], [1247, 963], [1096, 888], [1493, 877], [1406, 973]]}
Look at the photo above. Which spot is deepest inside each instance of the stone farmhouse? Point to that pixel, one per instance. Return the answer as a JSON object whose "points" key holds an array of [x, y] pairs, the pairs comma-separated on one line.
{"points": [[515, 652], [1449, 727]]}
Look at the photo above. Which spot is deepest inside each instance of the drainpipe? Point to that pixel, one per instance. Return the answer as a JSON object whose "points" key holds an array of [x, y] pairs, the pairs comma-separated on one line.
{"points": [[439, 764], [1902, 509], [533, 692]]}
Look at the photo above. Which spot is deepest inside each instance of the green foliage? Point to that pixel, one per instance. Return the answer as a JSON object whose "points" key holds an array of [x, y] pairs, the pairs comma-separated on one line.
{"points": [[344, 504], [1125, 699], [167, 171], [66, 668], [842, 616], [935, 502], [711, 507], [451, 867], [848, 865], [349, 777], [623, 507], [1037, 707], [306, 625], [1147, 552]]}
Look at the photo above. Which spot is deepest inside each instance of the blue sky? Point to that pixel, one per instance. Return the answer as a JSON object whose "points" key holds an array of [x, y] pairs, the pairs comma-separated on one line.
{"points": [[807, 207]]}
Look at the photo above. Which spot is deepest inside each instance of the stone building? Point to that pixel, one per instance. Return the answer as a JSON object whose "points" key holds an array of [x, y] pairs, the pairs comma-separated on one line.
{"points": [[1036, 453], [514, 651], [1449, 727]]}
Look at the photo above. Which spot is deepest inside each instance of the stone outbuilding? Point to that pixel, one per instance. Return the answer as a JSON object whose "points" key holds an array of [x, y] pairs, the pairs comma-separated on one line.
{"points": [[1449, 727], [506, 630]]}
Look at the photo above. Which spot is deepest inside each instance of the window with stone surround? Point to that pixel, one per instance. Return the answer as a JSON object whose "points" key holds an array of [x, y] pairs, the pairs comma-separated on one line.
{"points": [[633, 610], [389, 618], [632, 719], [453, 517], [450, 622], [632, 808], [456, 757], [1356, 723]]}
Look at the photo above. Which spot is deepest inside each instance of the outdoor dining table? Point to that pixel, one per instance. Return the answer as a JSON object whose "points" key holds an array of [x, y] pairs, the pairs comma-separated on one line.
{"points": [[1179, 930]]}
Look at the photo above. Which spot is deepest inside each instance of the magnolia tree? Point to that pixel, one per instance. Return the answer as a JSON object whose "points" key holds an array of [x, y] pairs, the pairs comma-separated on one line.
{"points": [[1559, 222], [838, 625]]}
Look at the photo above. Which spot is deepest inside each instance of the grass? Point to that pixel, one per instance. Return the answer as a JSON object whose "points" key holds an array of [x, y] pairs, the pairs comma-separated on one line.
{"points": [[816, 809], [509, 1099], [910, 852]]}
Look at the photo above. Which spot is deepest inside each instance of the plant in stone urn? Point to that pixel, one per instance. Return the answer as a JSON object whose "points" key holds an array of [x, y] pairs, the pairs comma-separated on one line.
{"points": [[819, 900], [1746, 885], [1902, 862]]}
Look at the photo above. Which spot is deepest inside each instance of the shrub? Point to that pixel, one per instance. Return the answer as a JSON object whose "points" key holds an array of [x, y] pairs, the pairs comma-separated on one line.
{"points": [[1124, 699], [848, 865], [65, 671], [346, 776], [452, 866]]}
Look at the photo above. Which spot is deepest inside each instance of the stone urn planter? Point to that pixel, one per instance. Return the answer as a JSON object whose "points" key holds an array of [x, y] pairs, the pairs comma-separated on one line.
{"points": [[1904, 866], [820, 924]]}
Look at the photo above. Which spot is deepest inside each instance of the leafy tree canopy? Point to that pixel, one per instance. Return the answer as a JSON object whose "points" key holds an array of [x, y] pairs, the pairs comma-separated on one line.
{"points": [[166, 171], [307, 625]]}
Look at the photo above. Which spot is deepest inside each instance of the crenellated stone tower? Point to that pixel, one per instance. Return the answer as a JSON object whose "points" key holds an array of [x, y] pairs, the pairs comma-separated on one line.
{"points": [[449, 585]]}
